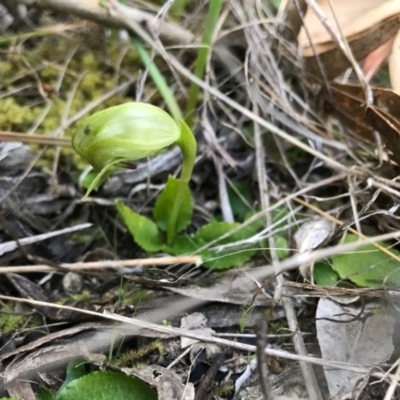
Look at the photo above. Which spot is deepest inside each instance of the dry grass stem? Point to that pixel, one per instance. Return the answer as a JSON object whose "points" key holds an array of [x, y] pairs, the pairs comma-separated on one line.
{"points": [[98, 265]]}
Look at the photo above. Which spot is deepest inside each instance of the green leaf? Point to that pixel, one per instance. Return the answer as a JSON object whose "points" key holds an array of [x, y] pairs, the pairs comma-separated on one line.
{"points": [[187, 244], [9, 398], [281, 243], [75, 370], [240, 198], [259, 223], [228, 258], [188, 145], [367, 266], [165, 202], [107, 386], [324, 274], [282, 247], [45, 394], [277, 214], [89, 179], [144, 231], [276, 3]]}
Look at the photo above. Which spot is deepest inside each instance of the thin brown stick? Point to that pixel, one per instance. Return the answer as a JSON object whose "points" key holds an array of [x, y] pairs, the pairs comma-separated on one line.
{"points": [[169, 32], [262, 361], [6, 136], [207, 381], [20, 269], [324, 291]]}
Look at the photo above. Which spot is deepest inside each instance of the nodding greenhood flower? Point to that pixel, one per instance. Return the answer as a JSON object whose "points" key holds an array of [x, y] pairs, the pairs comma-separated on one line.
{"points": [[123, 133], [132, 131]]}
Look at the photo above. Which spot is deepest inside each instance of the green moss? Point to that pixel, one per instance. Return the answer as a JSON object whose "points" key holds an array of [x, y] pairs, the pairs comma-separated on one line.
{"points": [[135, 298], [43, 62], [278, 328], [85, 235], [243, 319], [80, 297], [133, 356], [10, 322], [224, 390]]}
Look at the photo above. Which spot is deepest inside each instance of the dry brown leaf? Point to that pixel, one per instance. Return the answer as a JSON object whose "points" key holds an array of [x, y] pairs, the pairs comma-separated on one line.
{"points": [[348, 102], [389, 130], [350, 108], [376, 58], [394, 64], [312, 233], [357, 334], [354, 17], [366, 25], [385, 99], [309, 236], [335, 62]]}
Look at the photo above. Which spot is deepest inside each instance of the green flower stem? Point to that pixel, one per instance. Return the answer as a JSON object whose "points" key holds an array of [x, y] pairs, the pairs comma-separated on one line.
{"points": [[208, 33], [187, 144], [171, 229], [158, 79], [103, 172]]}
